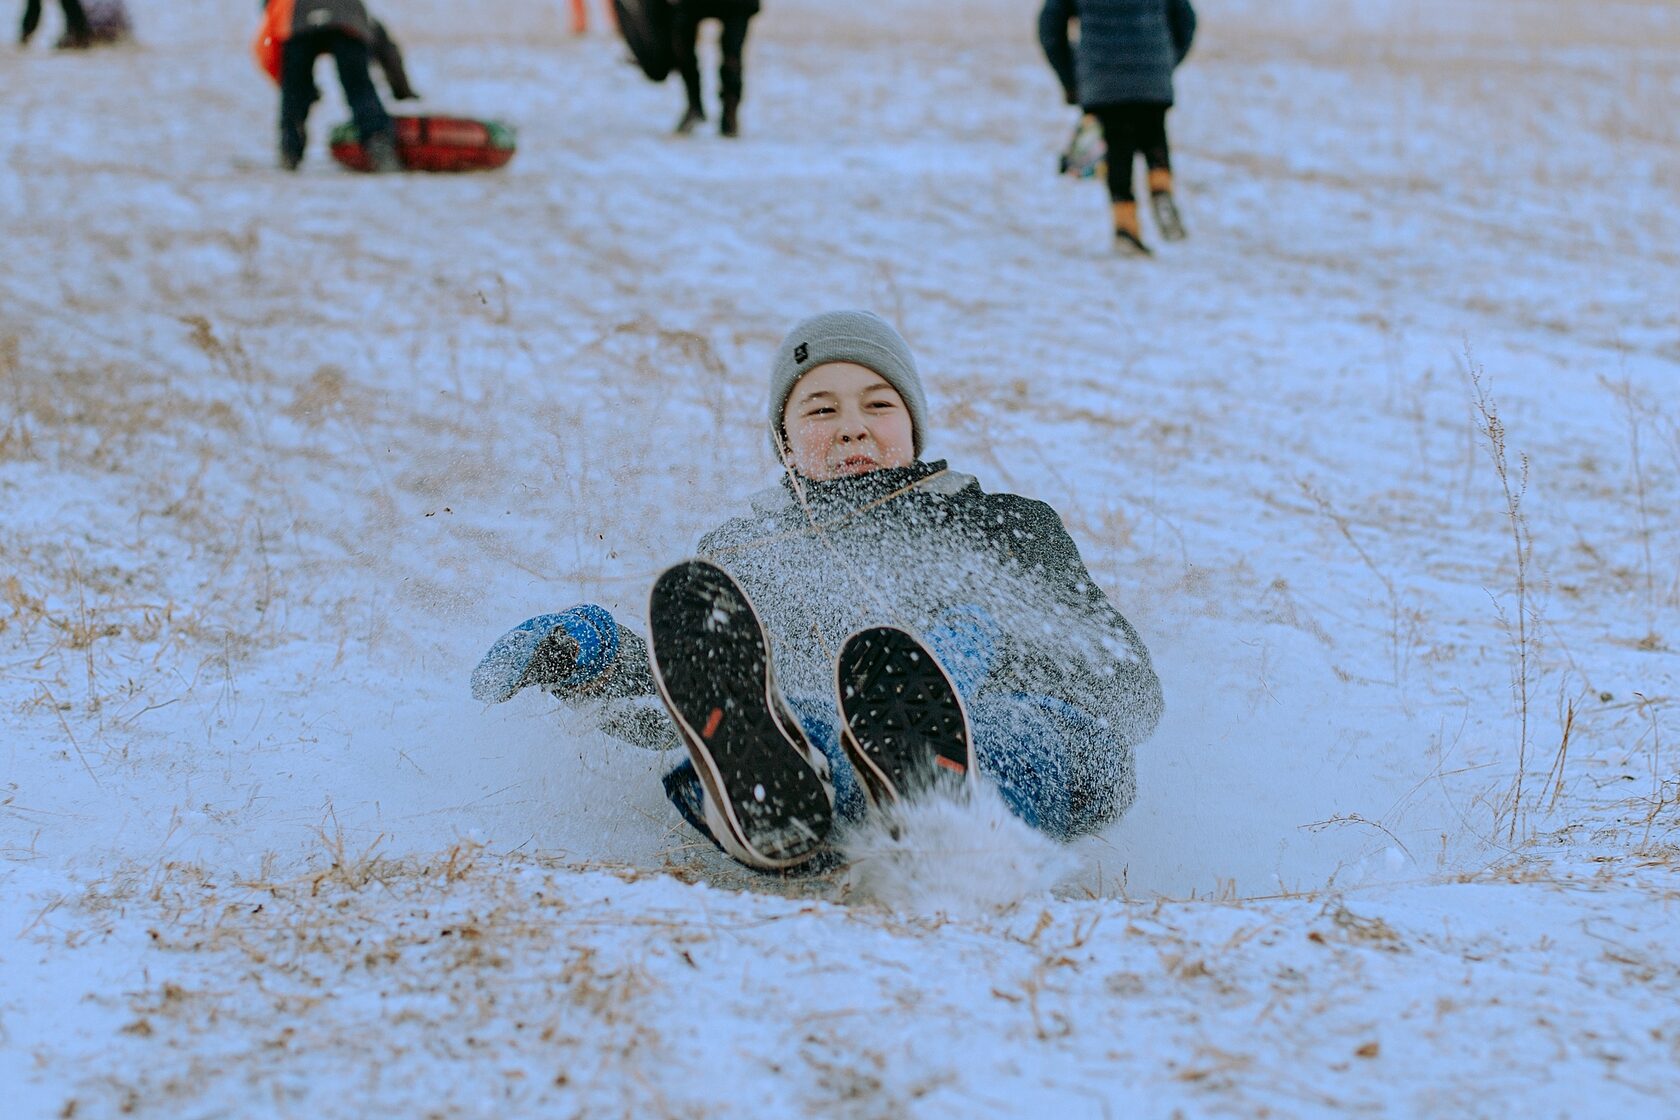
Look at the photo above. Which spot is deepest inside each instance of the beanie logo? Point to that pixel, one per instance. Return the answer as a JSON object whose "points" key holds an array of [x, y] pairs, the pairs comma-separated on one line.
{"points": [[801, 352]]}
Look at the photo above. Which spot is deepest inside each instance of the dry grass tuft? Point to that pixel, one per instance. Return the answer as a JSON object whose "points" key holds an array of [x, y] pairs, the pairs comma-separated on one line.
{"points": [[1522, 624]]}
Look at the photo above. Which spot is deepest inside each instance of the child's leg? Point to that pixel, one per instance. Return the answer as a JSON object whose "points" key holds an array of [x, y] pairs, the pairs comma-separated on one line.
{"points": [[685, 35], [297, 94], [1119, 133], [31, 20], [819, 719], [732, 42], [767, 797], [1048, 760], [351, 55], [76, 28], [1152, 139], [1055, 766], [1052, 762], [1152, 142]]}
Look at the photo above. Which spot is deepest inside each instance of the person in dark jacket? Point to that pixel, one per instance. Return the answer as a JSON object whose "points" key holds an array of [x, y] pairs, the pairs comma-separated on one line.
{"points": [[345, 30], [735, 16], [1121, 72], [861, 531]]}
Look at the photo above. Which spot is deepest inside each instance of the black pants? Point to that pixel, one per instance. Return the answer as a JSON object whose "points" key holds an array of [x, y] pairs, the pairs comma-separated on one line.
{"points": [[1128, 129], [75, 20], [298, 92], [685, 34]]}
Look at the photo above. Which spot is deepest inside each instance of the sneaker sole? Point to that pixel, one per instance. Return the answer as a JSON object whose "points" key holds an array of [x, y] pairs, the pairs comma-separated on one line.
{"points": [[766, 802], [902, 723]]}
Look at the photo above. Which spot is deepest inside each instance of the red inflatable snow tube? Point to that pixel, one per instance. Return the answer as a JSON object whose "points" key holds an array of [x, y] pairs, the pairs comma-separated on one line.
{"points": [[434, 143]]}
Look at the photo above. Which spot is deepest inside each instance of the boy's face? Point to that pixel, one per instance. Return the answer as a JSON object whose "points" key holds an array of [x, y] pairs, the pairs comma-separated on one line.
{"points": [[843, 419]]}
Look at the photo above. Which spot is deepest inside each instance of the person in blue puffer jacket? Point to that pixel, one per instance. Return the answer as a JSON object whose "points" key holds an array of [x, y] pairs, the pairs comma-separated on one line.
{"points": [[1120, 70]]}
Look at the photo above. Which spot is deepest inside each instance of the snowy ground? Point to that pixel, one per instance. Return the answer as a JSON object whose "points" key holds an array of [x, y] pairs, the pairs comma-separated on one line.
{"points": [[280, 455]]}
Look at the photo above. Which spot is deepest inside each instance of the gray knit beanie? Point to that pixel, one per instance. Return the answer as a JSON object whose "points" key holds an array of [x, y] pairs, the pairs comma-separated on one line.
{"points": [[862, 337]]}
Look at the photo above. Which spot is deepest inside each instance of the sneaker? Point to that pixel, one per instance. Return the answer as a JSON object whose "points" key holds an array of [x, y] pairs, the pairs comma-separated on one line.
{"points": [[1166, 216], [769, 802], [1127, 244], [903, 725], [382, 154], [690, 118]]}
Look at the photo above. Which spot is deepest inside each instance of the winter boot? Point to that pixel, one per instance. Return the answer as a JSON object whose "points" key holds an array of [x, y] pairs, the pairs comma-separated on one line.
{"points": [[382, 153], [902, 723], [768, 799], [730, 124], [1161, 202], [691, 117], [1128, 236]]}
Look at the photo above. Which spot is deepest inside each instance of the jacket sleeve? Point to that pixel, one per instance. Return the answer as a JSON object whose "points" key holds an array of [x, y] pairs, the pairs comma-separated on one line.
{"points": [[1181, 17], [1053, 37], [385, 51], [627, 704], [622, 700], [1112, 677]]}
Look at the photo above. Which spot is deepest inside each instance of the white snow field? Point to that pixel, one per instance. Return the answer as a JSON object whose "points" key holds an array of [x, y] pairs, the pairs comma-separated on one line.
{"points": [[281, 455]]}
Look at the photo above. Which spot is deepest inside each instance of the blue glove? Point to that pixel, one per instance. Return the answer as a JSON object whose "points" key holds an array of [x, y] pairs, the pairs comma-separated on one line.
{"points": [[567, 652]]}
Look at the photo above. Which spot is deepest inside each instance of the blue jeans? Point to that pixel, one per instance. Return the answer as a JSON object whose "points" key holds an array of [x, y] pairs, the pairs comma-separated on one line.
{"points": [[1037, 750]]}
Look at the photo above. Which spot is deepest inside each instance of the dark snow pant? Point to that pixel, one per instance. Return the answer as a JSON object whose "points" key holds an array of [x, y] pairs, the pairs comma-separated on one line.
{"points": [[685, 37], [1128, 129], [76, 27], [1054, 765], [298, 92]]}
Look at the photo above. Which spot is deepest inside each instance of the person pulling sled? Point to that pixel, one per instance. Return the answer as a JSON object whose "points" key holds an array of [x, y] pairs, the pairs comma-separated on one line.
{"points": [[871, 627], [294, 34]]}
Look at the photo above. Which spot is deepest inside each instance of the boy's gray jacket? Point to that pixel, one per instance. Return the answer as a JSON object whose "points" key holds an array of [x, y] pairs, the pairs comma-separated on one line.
{"points": [[904, 547], [1127, 51]]}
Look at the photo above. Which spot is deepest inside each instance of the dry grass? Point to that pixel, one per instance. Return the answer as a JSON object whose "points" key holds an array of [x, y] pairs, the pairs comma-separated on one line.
{"points": [[1522, 622], [1643, 414], [367, 960], [1405, 622]]}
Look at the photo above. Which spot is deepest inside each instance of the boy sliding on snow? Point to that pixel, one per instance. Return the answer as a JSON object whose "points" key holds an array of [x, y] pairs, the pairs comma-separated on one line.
{"points": [[1122, 74], [977, 639]]}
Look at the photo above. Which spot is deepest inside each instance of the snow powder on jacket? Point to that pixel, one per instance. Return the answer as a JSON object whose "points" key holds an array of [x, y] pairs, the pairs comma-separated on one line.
{"points": [[905, 546]]}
